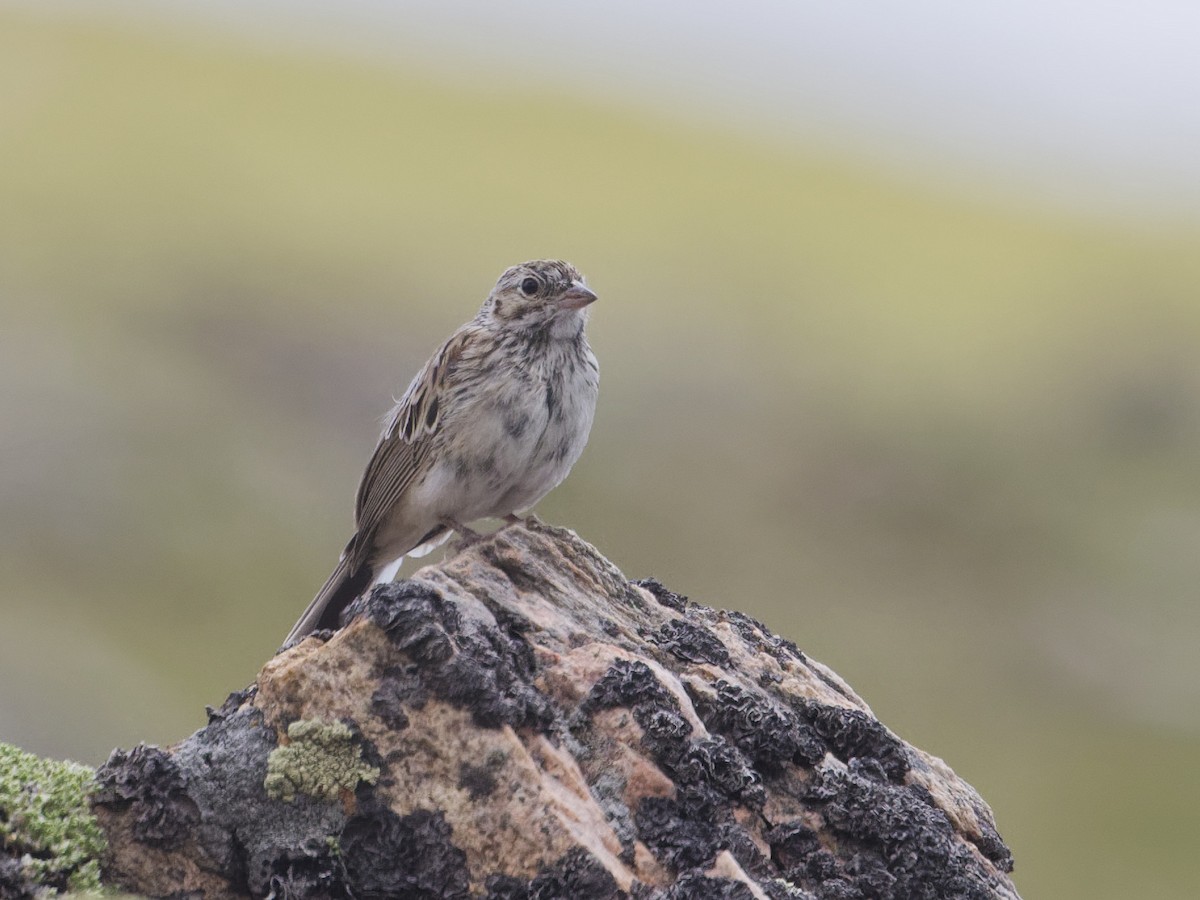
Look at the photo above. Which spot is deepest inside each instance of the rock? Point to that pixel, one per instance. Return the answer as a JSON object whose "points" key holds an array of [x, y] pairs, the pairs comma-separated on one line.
{"points": [[521, 721]]}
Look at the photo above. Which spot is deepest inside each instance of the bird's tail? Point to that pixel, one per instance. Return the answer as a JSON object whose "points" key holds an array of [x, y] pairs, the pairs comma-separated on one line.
{"points": [[342, 588]]}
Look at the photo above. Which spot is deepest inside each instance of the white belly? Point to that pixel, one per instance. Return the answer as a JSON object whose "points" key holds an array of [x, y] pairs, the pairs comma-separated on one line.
{"points": [[514, 442]]}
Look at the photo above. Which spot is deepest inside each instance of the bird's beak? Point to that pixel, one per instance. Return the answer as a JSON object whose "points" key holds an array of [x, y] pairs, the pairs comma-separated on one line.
{"points": [[577, 296]]}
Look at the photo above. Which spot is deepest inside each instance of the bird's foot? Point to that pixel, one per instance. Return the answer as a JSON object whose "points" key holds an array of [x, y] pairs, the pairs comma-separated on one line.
{"points": [[465, 536], [529, 521]]}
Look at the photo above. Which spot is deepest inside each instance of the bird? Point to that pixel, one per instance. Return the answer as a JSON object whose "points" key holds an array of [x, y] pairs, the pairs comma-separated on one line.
{"points": [[491, 424]]}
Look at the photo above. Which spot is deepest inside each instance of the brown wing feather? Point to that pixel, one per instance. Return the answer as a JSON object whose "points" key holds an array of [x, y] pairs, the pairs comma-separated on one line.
{"points": [[405, 441]]}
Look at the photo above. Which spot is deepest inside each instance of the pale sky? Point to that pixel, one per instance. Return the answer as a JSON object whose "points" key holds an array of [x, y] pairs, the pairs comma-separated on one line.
{"points": [[1092, 103]]}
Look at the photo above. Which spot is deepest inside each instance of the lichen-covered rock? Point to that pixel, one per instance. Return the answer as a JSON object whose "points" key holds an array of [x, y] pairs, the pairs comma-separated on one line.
{"points": [[522, 722], [49, 838], [320, 759]]}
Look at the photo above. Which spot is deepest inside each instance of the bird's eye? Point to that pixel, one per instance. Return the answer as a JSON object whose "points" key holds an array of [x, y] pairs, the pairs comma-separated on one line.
{"points": [[530, 286]]}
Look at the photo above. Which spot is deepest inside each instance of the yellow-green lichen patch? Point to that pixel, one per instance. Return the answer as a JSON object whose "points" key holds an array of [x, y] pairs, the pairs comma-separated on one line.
{"points": [[47, 822], [321, 759]]}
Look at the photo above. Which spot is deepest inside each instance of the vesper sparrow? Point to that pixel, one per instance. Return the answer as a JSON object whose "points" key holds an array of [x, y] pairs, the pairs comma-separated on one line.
{"points": [[489, 426]]}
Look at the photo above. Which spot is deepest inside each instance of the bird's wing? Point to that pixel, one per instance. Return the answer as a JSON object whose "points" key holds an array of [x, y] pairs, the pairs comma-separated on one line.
{"points": [[404, 445]]}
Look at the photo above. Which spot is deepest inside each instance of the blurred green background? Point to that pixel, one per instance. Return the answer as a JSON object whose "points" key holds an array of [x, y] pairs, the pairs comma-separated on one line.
{"points": [[941, 433]]}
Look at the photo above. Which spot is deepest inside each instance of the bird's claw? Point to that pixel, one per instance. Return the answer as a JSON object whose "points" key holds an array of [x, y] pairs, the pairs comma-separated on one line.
{"points": [[465, 536], [529, 521]]}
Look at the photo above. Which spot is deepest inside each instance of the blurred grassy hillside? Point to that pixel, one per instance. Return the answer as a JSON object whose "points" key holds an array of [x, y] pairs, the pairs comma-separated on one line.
{"points": [[950, 449]]}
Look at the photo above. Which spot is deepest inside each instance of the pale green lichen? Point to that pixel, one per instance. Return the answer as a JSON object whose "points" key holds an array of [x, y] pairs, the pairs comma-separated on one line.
{"points": [[47, 822], [321, 759]]}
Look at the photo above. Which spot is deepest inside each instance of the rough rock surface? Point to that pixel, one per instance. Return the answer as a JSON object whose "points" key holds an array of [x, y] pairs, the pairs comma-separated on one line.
{"points": [[522, 722]]}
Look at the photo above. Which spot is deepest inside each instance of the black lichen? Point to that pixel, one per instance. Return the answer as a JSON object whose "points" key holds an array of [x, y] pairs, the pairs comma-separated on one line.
{"points": [[628, 683], [416, 618], [687, 831], [854, 734], [782, 889], [15, 880], [869, 875], [463, 661], [681, 833], [714, 761], [690, 643], [698, 886], [762, 639], [664, 596], [769, 734], [486, 678], [798, 853], [708, 767], [906, 844], [990, 843], [864, 875], [387, 856], [666, 734], [577, 875], [311, 872], [149, 783]]}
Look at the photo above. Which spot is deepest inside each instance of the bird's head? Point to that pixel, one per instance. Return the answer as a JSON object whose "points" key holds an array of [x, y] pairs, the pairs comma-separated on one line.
{"points": [[540, 294]]}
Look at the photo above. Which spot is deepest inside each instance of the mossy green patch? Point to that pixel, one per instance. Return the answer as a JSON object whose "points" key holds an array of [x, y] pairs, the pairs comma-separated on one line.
{"points": [[321, 759], [47, 822]]}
